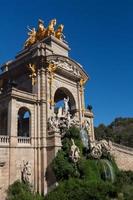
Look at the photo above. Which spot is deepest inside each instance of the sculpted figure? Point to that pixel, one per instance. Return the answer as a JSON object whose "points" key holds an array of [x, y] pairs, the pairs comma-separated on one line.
{"points": [[100, 148], [96, 152], [53, 123], [66, 106], [31, 39], [59, 112], [74, 152], [59, 32], [32, 69], [41, 30], [105, 145], [50, 30], [26, 171]]}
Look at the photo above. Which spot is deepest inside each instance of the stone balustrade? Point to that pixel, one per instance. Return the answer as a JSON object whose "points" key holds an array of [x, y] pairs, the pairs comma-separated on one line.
{"points": [[24, 140], [123, 148], [4, 139]]}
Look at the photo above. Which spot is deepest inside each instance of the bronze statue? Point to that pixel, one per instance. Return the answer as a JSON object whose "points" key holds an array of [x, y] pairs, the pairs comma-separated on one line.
{"points": [[59, 32], [50, 30], [82, 82], [52, 67], [33, 74], [32, 37], [41, 30]]}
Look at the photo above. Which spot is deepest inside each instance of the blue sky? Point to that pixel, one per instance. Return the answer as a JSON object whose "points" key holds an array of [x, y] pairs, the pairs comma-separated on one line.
{"points": [[100, 35]]}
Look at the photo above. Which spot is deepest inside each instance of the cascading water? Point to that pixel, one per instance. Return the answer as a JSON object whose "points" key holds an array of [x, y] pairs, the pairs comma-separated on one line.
{"points": [[105, 166], [84, 137], [107, 170]]}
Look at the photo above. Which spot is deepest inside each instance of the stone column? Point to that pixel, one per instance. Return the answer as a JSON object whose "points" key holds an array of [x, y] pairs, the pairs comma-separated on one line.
{"points": [[53, 146], [12, 132], [43, 127], [83, 101], [79, 102]]}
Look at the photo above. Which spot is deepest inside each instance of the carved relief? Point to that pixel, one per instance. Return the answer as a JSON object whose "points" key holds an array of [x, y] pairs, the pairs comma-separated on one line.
{"points": [[66, 66]]}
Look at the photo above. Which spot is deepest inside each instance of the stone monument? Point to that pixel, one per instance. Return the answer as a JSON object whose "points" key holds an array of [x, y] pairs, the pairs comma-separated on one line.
{"points": [[31, 125]]}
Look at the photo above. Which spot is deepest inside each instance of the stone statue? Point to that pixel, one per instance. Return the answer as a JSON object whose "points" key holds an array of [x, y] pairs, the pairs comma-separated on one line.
{"points": [[32, 37], [60, 113], [105, 145], [53, 124], [74, 152], [59, 32], [50, 30], [66, 106], [99, 148], [26, 172], [41, 30], [96, 152]]}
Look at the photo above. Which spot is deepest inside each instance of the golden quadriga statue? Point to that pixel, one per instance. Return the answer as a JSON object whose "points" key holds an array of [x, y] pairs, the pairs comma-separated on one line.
{"points": [[43, 32]]}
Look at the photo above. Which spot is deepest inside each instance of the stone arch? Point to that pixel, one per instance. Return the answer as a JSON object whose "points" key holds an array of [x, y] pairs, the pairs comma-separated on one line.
{"points": [[24, 122], [62, 93]]}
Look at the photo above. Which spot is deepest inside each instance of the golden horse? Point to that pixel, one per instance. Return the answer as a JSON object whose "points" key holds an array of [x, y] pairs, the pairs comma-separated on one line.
{"points": [[41, 30], [59, 32], [50, 30]]}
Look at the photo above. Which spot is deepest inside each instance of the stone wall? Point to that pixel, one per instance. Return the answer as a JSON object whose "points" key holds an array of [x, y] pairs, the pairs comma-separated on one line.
{"points": [[10, 169], [4, 171], [123, 157]]}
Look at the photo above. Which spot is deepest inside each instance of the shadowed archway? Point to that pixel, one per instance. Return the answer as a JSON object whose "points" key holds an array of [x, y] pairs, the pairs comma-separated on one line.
{"points": [[24, 122], [59, 96]]}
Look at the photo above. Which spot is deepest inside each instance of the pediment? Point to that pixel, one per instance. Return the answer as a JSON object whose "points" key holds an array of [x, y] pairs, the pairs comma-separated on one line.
{"points": [[68, 67]]}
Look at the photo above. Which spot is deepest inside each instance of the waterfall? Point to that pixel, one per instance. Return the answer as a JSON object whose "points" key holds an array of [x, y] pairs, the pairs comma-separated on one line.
{"points": [[107, 170], [84, 138]]}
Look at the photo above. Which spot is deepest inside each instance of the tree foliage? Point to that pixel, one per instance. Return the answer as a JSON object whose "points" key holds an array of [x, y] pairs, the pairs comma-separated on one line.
{"points": [[82, 180], [119, 131], [21, 191], [78, 189]]}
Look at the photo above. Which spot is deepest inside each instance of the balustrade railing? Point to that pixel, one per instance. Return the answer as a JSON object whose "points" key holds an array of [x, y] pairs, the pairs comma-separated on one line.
{"points": [[4, 139], [24, 140], [123, 147]]}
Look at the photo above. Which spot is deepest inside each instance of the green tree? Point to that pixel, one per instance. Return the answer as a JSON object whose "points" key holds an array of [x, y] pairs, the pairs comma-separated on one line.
{"points": [[21, 191]]}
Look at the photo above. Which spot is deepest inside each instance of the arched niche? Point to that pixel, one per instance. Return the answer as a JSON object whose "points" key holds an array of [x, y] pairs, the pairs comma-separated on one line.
{"points": [[59, 96], [24, 122]]}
